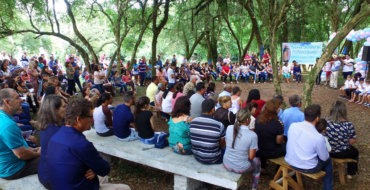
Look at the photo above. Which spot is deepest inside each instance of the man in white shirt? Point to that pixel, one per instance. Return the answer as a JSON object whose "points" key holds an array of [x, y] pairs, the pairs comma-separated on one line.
{"points": [[306, 148], [171, 74]]}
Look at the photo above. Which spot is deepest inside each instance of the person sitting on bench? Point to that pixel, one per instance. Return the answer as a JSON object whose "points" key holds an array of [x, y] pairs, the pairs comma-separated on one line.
{"points": [[241, 145], [17, 160], [207, 135], [306, 148], [123, 119], [73, 162]]}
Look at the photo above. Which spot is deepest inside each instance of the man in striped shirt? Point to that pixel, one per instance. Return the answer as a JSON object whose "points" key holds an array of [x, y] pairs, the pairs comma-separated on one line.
{"points": [[207, 136], [142, 70]]}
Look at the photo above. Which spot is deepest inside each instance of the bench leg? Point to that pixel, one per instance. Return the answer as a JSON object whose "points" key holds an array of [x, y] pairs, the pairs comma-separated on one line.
{"points": [[341, 172], [184, 183]]}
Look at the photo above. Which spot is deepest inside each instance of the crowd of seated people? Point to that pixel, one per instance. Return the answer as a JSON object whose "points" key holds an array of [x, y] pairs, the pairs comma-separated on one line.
{"points": [[214, 128]]}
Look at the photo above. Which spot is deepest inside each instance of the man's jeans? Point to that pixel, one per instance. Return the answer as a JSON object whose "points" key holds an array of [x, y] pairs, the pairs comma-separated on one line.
{"points": [[142, 78], [325, 166]]}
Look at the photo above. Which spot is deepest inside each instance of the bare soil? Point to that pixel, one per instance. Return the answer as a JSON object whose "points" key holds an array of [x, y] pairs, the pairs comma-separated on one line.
{"points": [[143, 177]]}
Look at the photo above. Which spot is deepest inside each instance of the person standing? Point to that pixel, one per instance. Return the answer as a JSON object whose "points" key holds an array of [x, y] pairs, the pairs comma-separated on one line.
{"points": [[159, 61], [142, 70], [348, 64], [334, 73], [171, 75], [306, 148], [17, 160], [53, 65], [76, 76]]}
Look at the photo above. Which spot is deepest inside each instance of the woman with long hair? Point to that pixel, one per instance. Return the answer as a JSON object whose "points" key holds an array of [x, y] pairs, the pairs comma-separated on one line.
{"points": [[179, 87], [179, 138], [270, 132], [210, 92], [255, 96], [236, 101], [144, 122], [241, 146], [50, 118], [103, 116], [342, 136]]}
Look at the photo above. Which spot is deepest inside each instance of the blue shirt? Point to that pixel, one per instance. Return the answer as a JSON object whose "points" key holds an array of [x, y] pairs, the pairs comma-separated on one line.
{"points": [[10, 139], [45, 136], [51, 64], [77, 71], [297, 69], [335, 66], [122, 117], [289, 116], [69, 156], [159, 63]]}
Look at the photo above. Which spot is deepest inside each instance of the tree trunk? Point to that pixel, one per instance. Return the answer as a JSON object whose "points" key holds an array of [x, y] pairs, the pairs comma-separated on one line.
{"points": [[154, 52], [328, 51], [247, 46], [248, 6], [276, 79]]}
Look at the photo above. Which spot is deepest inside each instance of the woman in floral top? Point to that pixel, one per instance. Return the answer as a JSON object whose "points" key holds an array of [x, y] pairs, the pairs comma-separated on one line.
{"points": [[341, 135]]}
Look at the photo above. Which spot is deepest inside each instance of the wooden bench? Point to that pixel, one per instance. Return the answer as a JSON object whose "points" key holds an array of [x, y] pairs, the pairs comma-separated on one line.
{"points": [[339, 165], [188, 172], [26, 183], [287, 180]]}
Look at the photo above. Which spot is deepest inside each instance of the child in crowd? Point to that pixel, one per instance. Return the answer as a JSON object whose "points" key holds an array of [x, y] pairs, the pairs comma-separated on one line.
{"points": [[144, 122], [286, 72], [252, 108], [321, 128], [363, 97], [347, 84], [360, 89]]}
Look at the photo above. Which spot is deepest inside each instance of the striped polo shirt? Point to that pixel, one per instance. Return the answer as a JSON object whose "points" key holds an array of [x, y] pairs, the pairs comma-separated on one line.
{"points": [[205, 134], [142, 66]]}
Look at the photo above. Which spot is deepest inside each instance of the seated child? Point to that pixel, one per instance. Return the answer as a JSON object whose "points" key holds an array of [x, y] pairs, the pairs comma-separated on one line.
{"points": [[347, 85], [363, 97], [321, 128], [360, 89], [144, 122]]}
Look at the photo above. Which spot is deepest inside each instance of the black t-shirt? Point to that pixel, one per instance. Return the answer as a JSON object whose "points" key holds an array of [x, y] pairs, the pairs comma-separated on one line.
{"points": [[267, 137], [143, 125], [224, 116]]}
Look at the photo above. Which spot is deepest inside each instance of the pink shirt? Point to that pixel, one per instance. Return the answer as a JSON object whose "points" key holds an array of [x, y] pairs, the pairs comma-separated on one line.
{"points": [[160, 76], [173, 101]]}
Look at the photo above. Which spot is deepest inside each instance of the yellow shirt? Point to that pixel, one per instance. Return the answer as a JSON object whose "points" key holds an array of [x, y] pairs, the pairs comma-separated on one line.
{"points": [[151, 91]]}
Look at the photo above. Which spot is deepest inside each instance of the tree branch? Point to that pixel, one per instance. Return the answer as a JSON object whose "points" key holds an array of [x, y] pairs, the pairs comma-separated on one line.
{"points": [[55, 17]]}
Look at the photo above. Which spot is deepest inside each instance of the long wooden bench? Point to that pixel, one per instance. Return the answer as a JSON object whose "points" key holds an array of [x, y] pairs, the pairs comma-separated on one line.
{"points": [[188, 173], [287, 180], [339, 165], [26, 183]]}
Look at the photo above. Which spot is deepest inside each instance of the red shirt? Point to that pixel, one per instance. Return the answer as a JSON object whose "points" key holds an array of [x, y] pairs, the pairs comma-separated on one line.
{"points": [[266, 58], [260, 104], [126, 78], [226, 69]]}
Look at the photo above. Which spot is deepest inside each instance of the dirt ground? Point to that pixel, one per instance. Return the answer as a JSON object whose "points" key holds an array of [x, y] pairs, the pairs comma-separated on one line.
{"points": [[141, 177]]}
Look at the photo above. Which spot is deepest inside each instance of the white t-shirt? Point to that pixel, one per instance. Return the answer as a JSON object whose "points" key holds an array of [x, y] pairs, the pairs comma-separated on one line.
{"points": [[244, 69], [96, 77], [227, 60], [347, 68], [347, 84], [285, 69], [167, 103], [171, 79], [99, 120], [361, 87], [252, 123]]}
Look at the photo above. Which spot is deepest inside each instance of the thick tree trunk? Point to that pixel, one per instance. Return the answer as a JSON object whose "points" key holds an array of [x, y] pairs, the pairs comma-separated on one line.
{"points": [[234, 35], [248, 6], [328, 51], [247, 46]]}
